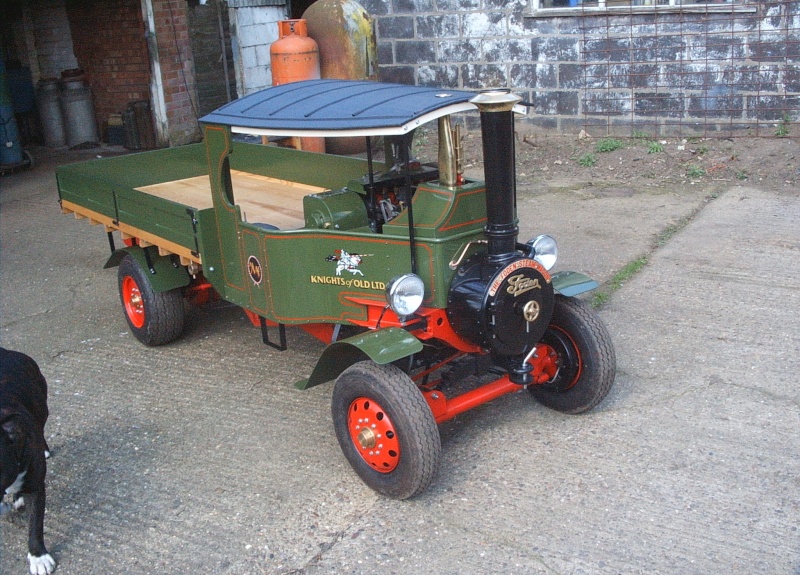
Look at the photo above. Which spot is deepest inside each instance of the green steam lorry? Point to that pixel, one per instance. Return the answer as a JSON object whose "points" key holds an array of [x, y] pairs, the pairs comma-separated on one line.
{"points": [[412, 275]]}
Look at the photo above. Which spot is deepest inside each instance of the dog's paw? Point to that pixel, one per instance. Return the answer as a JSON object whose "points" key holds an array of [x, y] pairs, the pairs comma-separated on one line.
{"points": [[42, 565]]}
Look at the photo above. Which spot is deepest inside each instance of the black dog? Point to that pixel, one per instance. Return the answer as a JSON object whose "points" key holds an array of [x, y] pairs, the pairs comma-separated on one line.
{"points": [[23, 413]]}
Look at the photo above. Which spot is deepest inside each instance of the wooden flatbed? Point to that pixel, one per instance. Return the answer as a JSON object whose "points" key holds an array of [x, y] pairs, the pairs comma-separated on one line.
{"points": [[262, 199]]}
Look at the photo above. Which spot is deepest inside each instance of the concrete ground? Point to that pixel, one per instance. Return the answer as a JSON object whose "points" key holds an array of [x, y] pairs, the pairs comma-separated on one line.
{"points": [[201, 457]]}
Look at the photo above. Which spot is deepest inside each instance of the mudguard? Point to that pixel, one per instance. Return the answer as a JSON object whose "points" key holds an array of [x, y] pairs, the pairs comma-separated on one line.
{"points": [[381, 346], [571, 284], [165, 274]]}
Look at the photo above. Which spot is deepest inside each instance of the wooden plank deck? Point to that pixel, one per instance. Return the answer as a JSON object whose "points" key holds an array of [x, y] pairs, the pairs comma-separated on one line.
{"points": [[262, 199]]}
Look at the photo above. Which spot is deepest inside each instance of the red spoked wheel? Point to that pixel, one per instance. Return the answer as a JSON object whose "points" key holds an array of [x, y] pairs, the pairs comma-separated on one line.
{"points": [[575, 362], [154, 318], [373, 435], [132, 301], [385, 429]]}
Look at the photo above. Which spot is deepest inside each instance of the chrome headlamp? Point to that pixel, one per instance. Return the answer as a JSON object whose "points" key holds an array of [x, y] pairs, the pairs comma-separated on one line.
{"points": [[404, 294], [544, 250]]}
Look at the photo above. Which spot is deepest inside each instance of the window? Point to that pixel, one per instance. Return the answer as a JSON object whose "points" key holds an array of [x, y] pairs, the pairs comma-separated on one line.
{"points": [[546, 8]]}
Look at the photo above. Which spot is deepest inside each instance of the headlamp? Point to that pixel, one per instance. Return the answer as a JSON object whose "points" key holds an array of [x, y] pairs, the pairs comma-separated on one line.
{"points": [[404, 294]]}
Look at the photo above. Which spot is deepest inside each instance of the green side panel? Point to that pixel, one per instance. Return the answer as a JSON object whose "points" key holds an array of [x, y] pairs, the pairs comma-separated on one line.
{"points": [[107, 186], [571, 284], [209, 246], [228, 277], [441, 212], [313, 275], [166, 219], [259, 283], [324, 170], [382, 346], [133, 170], [166, 273]]}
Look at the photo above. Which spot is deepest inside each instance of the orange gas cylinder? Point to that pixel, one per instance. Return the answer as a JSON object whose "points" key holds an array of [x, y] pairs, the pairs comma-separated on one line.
{"points": [[294, 57]]}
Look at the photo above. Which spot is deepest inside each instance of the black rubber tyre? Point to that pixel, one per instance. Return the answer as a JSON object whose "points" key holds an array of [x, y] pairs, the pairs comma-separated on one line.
{"points": [[155, 318], [587, 362], [384, 395]]}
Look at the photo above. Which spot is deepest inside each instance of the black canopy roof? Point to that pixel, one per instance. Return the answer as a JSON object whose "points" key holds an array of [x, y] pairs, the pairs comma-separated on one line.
{"points": [[339, 108]]}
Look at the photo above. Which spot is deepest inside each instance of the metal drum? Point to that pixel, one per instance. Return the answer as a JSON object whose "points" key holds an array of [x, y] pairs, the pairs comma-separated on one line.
{"points": [[76, 105], [10, 147], [49, 106]]}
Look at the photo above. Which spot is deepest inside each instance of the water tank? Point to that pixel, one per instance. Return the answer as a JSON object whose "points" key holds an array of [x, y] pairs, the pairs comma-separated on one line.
{"points": [[10, 146], [76, 105], [49, 106], [344, 32]]}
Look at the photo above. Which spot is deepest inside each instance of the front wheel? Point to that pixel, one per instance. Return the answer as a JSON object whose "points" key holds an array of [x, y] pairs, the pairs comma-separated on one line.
{"points": [[581, 353], [155, 318], [385, 429]]}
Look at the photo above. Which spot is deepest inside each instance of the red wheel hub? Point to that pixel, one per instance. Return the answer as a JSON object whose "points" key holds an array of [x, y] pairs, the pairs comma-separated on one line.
{"points": [[557, 360], [133, 302], [545, 364], [373, 434]]}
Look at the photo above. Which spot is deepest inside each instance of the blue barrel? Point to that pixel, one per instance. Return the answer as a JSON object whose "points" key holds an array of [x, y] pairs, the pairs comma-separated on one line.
{"points": [[10, 146]]}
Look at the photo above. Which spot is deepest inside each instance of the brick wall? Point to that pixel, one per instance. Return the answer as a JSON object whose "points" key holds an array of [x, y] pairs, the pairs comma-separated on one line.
{"points": [[177, 70], [204, 29], [110, 47], [671, 72]]}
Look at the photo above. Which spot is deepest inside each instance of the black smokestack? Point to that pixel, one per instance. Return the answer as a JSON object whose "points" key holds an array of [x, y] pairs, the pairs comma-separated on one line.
{"points": [[497, 131]]}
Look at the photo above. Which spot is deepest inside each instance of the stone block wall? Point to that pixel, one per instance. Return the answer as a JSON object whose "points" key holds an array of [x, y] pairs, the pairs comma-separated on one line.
{"points": [[663, 72], [253, 30]]}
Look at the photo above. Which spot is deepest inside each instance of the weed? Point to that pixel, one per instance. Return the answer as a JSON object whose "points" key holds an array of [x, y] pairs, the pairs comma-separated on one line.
{"points": [[618, 280], [587, 160], [695, 171], [637, 135], [701, 150], [782, 130], [741, 175], [655, 148], [608, 145]]}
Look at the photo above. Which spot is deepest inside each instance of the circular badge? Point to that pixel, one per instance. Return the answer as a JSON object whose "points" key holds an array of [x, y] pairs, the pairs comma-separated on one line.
{"points": [[254, 270]]}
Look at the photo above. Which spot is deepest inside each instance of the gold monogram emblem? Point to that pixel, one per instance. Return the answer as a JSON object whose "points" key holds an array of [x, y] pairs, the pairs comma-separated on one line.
{"points": [[519, 284]]}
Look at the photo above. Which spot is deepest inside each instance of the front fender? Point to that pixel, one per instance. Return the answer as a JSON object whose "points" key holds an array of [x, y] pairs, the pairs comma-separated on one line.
{"points": [[163, 272], [381, 346], [571, 284]]}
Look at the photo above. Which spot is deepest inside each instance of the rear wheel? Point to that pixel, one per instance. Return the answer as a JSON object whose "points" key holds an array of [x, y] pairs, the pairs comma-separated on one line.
{"points": [[581, 355], [385, 429], [155, 318]]}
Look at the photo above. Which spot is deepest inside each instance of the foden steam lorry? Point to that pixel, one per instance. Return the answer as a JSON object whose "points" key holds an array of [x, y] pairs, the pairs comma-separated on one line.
{"points": [[411, 274]]}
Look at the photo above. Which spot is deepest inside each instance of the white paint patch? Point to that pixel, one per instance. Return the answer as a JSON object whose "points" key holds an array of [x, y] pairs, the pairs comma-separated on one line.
{"points": [[42, 565], [17, 485]]}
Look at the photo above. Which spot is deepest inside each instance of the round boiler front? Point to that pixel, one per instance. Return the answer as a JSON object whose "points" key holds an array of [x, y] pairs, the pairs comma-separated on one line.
{"points": [[503, 306]]}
